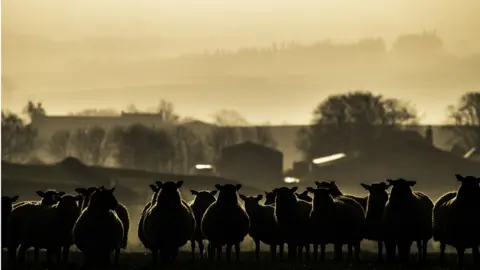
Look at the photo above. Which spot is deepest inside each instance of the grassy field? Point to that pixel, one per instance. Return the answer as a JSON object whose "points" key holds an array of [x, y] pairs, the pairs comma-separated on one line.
{"points": [[141, 260]]}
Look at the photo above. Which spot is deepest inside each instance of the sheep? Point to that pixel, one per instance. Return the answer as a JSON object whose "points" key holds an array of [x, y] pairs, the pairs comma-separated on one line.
{"points": [[407, 218], [7, 206], [263, 226], [121, 211], [270, 198], [339, 220], [376, 201], [292, 217], [457, 218], [99, 231], [141, 234], [304, 196], [43, 226], [225, 222], [203, 199], [335, 191], [169, 223]]}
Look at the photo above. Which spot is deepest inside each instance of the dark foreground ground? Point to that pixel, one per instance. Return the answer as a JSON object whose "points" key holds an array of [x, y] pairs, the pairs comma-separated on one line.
{"points": [[141, 261]]}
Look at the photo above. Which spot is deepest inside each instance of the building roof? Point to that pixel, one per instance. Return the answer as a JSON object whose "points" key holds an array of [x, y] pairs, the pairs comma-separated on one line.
{"points": [[249, 145]]}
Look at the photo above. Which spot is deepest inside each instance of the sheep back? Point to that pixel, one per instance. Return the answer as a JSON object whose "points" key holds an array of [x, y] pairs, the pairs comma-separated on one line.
{"points": [[122, 214], [141, 234], [263, 225], [349, 220], [440, 215]]}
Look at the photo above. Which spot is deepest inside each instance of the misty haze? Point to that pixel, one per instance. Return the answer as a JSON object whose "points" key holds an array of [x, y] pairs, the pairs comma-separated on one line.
{"points": [[335, 114]]}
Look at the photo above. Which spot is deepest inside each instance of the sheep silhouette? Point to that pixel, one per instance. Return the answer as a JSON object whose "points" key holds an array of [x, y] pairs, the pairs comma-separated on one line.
{"points": [[263, 226], [203, 199], [225, 222], [376, 201], [339, 220], [304, 196], [169, 223], [7, 207], [292, 217], [407, 218], [99, 231], [457, 218], [335, 192], [141, 234], [270, 198]]}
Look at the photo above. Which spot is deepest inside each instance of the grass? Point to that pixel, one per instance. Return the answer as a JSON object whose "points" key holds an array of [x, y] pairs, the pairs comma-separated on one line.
{"points": [[141, 260]]}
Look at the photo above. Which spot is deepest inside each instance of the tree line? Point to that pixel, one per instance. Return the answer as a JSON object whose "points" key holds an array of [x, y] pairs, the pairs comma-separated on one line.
{"points": [[341, 123], [173, 148]]}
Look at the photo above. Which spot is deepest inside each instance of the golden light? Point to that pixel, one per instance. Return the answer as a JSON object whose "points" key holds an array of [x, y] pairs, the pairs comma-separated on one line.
{"points": [[203, 166], [291, 180], [329, 158]]}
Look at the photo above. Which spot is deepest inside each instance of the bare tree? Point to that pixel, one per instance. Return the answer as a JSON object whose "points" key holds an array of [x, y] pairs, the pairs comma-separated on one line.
{"points": [[34, 109], [165, 110], [465, 116], [59, 143], [18, 139], [90, 145], [264, 136]]}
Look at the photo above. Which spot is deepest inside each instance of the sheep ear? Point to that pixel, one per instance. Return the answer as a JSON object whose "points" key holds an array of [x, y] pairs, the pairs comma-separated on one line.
{"points": [[294, 189], [194, 192], [218, 186], [384, 185], [459, 177], [411, 183], [259, 197], [159, 183], [238, 186], [79, 198], [365, 186], [266, 193], [213, 192], [153, 187], [317, 183], [179, 184], [243, 197], [111, 190], [41, 193], [390, 182], [304, 193], [15, 198], [61, 193], [310, 189], [81, 190]]}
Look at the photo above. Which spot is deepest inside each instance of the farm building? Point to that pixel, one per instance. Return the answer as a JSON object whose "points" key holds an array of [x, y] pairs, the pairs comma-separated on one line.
{"points": [[252, 163]]}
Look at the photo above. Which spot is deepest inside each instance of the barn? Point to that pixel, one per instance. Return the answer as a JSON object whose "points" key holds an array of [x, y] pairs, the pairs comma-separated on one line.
{"points": [[252, 164]]}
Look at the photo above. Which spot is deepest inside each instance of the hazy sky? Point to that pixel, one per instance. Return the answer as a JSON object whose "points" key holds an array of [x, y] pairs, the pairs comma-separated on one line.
{"points": [[39, 74]]}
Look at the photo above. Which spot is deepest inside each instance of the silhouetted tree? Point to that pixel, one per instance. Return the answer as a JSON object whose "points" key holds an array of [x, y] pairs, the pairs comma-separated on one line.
{"points": [[189, 149], [34, 109], [90, 145], [165, 110], [264, 136], [96, 112], [140, 147], [59, 144], [466, 119], [219, 138], [18, 139], [347, 122]]}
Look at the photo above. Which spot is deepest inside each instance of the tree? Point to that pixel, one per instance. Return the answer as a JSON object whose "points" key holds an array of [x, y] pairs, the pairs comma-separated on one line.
{"points": [[264, 136], [465, 116], [18, 139], [165, 110], [189, 149], [90, 145], [140, 147], [34, 109], [96, 112], [347, 122], [59, 144]]}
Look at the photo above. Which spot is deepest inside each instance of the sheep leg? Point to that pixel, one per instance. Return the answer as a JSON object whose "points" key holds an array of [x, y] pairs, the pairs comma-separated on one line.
{"points": [[292, 251], [420, 250], [36, 252], [200, 249], [273, 251], [281, 251], [380, 250], [228, 252], [219, 252], [350, 252], [116, 256], [22, 253], [338, 252], [307, 252], [66, 253], [12, 253], [460, 255], [300, 250], [390, 249], [322, 252], [443, 246], [237, 251], [357, 248], [211, 252], [192, 247], [257, 249], [476, 255], [425, 249], [315, 252], [154, 256]]}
